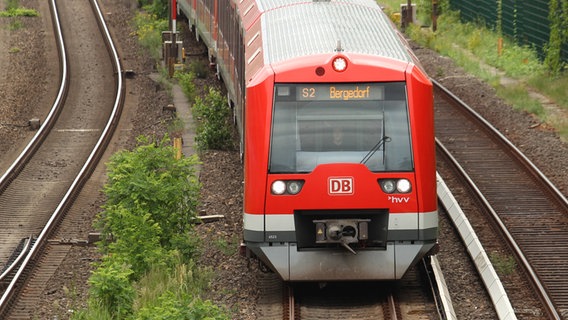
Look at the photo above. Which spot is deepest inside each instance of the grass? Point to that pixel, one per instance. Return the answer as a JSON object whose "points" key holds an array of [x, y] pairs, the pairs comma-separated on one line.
{"points": [[19, 12], [476, 49], [228, 247], [12, 10], [503, 264]]}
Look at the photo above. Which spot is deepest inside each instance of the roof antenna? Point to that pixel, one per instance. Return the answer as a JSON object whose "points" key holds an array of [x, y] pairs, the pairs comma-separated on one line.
{"points": [[338, 48]]}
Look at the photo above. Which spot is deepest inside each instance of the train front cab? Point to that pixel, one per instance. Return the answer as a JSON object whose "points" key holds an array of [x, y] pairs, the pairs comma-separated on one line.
{"points": [[340, 175]]}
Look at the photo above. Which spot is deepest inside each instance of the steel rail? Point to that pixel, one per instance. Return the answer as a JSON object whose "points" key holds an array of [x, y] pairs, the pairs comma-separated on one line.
{"points": [[392, 306], [514, 150], [12, 266], [89, 165], [17, 166], [532, 275], [291, 304]]}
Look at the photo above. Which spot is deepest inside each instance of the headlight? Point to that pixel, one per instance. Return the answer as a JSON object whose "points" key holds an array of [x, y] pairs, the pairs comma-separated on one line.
{"points": [[291, 187], [388, 185], [395, 185], [294, 187], [403, 186], [278, 187]]}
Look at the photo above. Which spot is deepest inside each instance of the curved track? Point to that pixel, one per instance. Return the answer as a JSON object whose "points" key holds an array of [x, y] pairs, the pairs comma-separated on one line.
{"points": [[532, 213], [38, 190]]}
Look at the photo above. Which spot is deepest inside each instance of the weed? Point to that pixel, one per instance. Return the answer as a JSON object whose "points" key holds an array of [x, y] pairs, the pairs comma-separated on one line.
{"points": [[185, 80], [227, 247], [19, 12], [199, 68], [503, 264], [176, 127]]}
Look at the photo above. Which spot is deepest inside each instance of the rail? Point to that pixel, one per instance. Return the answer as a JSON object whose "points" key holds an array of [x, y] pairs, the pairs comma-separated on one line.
{"points": [[537, 176], [90, 163]]}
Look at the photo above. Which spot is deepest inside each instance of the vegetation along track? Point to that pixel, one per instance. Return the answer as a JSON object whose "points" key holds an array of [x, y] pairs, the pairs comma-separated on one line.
{"points": [[520, 198], [411, 298], [37, 193]]}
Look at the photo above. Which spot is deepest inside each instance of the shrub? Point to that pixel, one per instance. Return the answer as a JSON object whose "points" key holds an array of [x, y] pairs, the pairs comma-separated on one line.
{"points": [[175, 295], [111, 289], [199, 68], [214, 130], [185, 81], [149, 186], [149, 30], [181, 307], [136, 239]]}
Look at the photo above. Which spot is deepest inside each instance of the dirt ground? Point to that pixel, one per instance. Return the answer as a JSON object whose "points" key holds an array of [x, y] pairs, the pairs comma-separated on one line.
{"points": [[25, 56]]}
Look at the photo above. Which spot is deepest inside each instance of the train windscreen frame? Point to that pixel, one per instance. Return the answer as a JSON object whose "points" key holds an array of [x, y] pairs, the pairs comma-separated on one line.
{"points": [[321, 123]]}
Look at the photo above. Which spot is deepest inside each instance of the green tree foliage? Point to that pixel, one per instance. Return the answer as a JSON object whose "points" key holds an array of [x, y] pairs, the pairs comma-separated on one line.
{"points": [[558, 17], [214, 128]]}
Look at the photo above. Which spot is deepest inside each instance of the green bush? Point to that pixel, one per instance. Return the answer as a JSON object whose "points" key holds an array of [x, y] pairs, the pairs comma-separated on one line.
{"points": [[176, 295], [185, 81], [137, 239], [155, 189], [199, 68], [111, 288], [181, 307], [149, 30], [214, 130], [147, 272]]}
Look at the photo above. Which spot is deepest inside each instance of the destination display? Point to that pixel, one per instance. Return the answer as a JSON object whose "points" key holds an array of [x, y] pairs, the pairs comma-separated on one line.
{"points": [[346, 92]]}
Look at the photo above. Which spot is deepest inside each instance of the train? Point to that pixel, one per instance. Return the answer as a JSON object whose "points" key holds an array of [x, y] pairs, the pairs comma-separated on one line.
{"points": [[336, 125]]}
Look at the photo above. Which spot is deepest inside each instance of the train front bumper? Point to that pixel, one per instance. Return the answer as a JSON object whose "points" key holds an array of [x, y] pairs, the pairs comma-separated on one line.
{"points": [[292, 264]]}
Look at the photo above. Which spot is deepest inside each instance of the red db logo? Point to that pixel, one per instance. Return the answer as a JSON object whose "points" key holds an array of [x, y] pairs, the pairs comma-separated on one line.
{"points": [[340, 185]]}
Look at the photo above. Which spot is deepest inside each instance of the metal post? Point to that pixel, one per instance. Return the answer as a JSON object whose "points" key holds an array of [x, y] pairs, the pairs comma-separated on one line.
{"points": [[434, 15], [409, 12], [172, 57]]}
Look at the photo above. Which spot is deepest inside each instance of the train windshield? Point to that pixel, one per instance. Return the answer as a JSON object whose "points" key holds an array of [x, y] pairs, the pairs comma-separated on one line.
{"points": [[340, 123]]}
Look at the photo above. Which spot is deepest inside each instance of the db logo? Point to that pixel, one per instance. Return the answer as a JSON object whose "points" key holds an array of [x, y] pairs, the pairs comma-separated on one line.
{"points": [[340, 185]]}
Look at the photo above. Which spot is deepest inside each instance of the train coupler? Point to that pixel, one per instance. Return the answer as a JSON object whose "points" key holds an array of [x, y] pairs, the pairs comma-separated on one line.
{"points": [[342, 231]]}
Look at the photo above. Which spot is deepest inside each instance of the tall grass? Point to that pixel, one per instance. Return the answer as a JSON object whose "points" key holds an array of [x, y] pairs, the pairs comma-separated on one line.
{"points": [[475, 48]]}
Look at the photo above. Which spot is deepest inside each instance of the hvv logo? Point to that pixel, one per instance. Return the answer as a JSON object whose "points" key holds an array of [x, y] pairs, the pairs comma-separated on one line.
{"points": [[340, 185]]}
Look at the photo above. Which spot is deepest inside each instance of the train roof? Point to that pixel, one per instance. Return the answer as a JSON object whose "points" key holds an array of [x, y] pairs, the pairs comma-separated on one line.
{"points": [[295, 28]]}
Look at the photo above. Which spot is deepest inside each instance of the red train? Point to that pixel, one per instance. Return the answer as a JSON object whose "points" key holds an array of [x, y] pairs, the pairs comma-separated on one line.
{"points": [[337, 134]]}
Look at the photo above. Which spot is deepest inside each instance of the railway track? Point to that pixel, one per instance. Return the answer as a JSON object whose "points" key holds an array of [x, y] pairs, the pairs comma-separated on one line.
{"points": [[531, 214], [410, 298], [38, 190]]}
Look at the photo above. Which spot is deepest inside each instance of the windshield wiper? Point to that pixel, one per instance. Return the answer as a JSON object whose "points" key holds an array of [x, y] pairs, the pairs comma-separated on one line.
{"points": [[375, 148]]}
